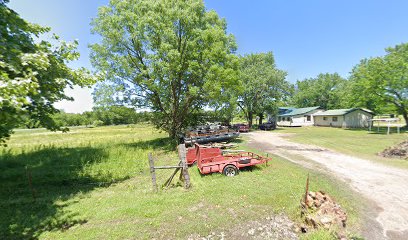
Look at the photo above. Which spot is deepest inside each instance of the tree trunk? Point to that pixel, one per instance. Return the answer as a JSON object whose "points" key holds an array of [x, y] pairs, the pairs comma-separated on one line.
{"points": [[261, 116], [172, 133], [174, 129], [250, 116], [402, 109], [405, 116]]}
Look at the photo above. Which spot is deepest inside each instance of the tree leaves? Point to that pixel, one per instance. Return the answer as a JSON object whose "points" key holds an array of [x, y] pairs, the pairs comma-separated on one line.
{"points": [[381, 82], [326, 91], [170, 56], [263, 85], [32, 75]]}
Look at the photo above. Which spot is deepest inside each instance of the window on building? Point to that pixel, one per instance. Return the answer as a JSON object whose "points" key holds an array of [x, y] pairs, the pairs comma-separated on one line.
{"points": [[308, 118], [334, 119], [325, 118]]}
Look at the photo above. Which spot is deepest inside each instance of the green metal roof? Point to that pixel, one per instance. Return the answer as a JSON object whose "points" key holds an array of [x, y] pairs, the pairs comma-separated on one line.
{"points": [[298, 111], [340, 112]]}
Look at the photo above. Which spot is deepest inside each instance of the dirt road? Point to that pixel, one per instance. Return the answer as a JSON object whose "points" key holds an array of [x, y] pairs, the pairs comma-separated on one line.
{"points": [[387, 187]]}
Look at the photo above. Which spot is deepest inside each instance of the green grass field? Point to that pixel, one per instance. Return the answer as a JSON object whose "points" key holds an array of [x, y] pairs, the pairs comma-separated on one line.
{"points": [[94, 183], [357, 142]]}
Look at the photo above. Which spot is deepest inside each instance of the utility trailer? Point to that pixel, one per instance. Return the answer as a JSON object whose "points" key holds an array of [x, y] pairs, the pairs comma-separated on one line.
{"points": [[212, 160], [208, 134]]}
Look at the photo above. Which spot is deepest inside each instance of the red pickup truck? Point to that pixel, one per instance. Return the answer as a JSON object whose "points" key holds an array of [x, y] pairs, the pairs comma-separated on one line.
{"points": [[241, 127]]}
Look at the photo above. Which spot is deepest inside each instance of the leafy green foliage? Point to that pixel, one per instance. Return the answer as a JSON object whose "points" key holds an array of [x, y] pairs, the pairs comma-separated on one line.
{"points": [[326, 91], [106, 95], [32, 75], [169, 56], [263, 85], [380, 82]]}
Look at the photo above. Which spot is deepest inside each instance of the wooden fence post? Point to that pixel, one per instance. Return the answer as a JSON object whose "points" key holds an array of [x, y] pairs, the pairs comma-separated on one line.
{"points": [[152, 172], [184, 170], [307, 190]]}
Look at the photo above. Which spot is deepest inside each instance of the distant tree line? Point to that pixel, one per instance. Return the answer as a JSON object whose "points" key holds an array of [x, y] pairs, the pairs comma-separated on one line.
{"points": [[114, 115], [117, 115]]}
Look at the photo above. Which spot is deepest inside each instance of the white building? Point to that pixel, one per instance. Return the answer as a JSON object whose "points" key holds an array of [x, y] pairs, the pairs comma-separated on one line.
{"points": [[296, 117], [345, 118]]}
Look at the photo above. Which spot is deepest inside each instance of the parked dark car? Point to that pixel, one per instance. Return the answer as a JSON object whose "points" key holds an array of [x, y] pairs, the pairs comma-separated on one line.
{"points": [[267, 126]]}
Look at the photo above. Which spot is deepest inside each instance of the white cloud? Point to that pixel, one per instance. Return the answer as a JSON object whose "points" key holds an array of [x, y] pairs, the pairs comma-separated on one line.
{"points": [[82, 100]]}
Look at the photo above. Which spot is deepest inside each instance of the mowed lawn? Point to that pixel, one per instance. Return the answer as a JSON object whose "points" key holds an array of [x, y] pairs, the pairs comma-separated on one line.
{"points": [[356, 142], [94, 183]]}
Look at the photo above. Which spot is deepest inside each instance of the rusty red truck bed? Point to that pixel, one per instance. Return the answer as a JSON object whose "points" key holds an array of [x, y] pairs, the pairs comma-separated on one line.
{"points": [[211, 160]]}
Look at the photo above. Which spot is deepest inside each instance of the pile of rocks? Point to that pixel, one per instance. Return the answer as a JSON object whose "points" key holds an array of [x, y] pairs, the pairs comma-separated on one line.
{"points": [[320, 210], [398, 151]]}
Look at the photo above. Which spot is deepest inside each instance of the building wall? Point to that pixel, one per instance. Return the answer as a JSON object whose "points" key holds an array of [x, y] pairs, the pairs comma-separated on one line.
{"points": [[298, 120], [357, 119], [328, 121]]}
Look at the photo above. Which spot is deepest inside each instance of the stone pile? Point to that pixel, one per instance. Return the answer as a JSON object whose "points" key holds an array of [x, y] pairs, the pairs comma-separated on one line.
{"points": [[321, 211], [398, 151]]}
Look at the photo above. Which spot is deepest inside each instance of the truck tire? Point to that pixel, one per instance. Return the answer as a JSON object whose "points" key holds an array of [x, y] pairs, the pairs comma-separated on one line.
{"points": [[230, 171]]}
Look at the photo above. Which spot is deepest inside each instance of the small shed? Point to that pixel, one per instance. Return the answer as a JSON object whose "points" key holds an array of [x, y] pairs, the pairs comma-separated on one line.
{"points": [[345, 118], [296, 117]]}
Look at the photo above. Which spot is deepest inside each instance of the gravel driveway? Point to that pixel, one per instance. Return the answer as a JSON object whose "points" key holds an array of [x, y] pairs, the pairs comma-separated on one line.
{"points": [[385, 186]]}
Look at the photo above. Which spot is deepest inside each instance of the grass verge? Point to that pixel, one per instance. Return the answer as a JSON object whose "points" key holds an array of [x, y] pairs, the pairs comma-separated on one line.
{"points": [[355, 142]]}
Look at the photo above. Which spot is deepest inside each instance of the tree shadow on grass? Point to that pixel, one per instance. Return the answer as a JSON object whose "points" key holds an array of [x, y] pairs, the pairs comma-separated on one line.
{"points": [[57, 176]]}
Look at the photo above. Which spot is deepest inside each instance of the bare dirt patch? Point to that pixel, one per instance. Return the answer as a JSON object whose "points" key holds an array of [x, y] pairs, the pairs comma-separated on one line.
{"points": [[386, 187], [274, 227]]}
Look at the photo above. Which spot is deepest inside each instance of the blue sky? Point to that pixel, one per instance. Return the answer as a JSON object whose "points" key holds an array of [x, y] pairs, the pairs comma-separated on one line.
{"points": [[306, 37]]}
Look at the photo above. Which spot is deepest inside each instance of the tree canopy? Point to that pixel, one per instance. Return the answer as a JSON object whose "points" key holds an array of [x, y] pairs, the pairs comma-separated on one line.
{"points": [[325, 90], [170, 56], [263, 85], [33, 73], [106, 94], [379, 82]]}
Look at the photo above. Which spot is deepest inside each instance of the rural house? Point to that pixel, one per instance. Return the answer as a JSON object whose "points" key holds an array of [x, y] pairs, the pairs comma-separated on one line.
{"points": [[345, 118], [296, 117]]}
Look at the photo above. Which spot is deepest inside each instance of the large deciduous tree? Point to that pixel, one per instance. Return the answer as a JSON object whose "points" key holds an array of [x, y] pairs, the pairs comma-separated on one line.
{"points": [[325, 90], [263, 85], [33, 74], [382, 81], [106, 94], [171, 56]]}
